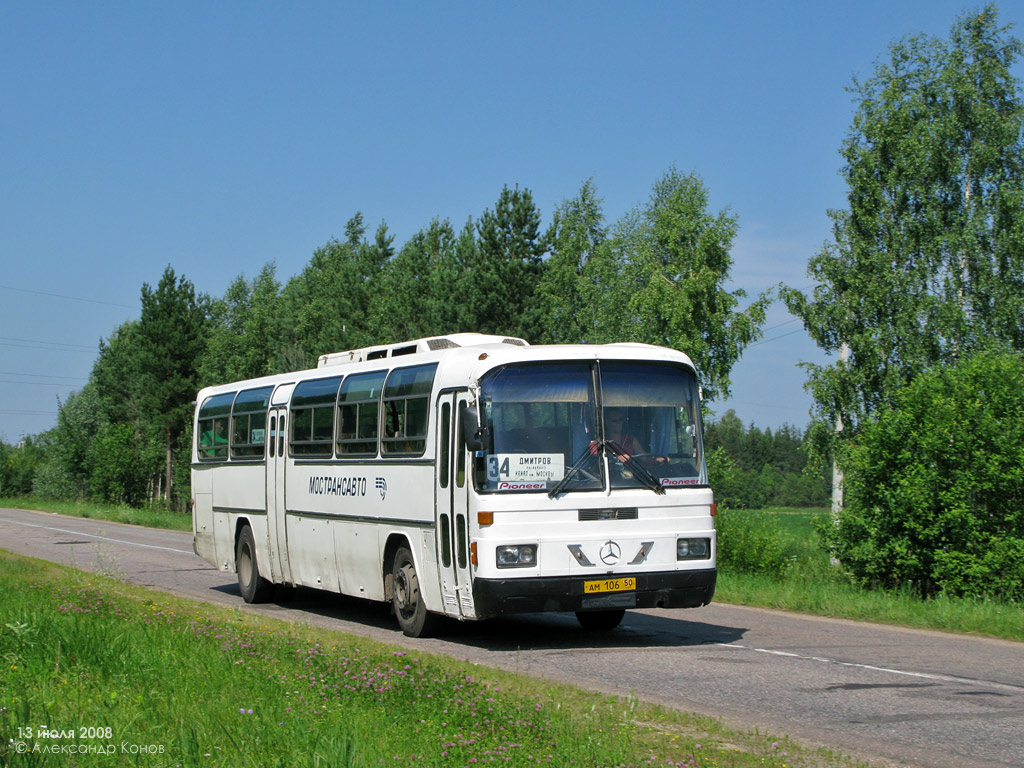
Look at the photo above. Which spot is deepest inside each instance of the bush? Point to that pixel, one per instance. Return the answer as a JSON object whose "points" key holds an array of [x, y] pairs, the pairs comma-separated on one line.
{"points": [[119, 472], [734, 488], [18, 467], [52, 481], [750, 542], [935, 485]]}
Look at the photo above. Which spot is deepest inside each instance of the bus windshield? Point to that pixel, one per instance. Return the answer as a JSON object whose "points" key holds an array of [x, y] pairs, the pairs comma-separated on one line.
{"points": [[585, 426]]}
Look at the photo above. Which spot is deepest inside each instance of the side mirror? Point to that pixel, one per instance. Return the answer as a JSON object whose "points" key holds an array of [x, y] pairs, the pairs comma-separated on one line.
{"points": [[473, 435]]}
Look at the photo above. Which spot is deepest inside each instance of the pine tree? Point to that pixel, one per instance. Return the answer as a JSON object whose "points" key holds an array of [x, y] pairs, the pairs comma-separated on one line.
{"points": [[171, 339]]}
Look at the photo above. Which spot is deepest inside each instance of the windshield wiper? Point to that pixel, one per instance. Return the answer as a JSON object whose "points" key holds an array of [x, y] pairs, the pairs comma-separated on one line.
{"points": [[641, 473], [589, 451]]}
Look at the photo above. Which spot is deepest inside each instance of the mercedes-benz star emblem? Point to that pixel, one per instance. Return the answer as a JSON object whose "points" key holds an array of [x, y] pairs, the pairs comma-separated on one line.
{"points": [[610, 553]]}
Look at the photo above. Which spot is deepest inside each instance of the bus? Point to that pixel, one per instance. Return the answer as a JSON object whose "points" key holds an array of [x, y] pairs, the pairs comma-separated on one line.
{"points": [[466, 476]]}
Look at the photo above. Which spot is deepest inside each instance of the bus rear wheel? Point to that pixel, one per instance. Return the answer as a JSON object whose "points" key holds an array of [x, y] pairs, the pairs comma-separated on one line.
{"points": [[407, 599], [254, 588], [601, 621]]}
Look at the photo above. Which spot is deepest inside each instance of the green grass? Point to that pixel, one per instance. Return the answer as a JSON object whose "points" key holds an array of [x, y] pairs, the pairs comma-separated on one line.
{"points": [[812, 584], [124, 676], [153, 517]]}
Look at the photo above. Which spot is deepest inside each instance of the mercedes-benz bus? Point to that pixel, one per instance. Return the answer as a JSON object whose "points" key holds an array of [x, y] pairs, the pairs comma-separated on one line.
{"points": [[467, 476]]}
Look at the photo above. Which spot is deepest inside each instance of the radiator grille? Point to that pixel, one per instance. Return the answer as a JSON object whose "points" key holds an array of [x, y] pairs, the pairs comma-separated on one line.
{"points": [[628, 513]]}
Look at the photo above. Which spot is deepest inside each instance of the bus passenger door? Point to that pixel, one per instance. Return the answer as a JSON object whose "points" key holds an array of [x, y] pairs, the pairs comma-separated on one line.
{"points": [[452, 523], [275, 495]]}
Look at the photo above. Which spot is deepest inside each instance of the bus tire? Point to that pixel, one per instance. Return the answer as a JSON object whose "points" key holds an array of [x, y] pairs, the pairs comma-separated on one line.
{"points": [[254, 588], [407, 598], [600, 621]]}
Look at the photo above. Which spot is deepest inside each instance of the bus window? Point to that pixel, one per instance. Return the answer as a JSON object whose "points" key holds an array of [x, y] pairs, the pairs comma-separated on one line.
{"points": [[249, 423], [406, 409], [542, 427], [313, 404], [657, 408], [357, 414], [444, 458], [213, 426]]}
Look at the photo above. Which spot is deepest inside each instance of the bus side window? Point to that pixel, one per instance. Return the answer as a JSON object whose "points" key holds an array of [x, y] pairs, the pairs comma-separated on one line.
{"points": [[358, 403], [273, 436], [213, 426], [249, 422], [313, 407], [407, 410]]}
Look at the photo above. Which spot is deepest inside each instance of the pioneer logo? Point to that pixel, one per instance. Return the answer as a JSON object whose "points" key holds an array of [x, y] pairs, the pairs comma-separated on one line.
{"points": [[505, 485]]}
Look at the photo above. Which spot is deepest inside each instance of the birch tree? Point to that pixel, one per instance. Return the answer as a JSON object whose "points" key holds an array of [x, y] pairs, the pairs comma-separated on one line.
{"points": [[926, 265]]}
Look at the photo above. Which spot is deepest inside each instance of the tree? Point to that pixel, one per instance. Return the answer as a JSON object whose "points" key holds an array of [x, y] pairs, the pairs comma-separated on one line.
{"points": [[171, 338], [417, 295], [676, 261], [750, 468], [119, 473], [935, 498], [19, 465], [567, 292], [327, 307], [118, 375], [927, 263], [507, 263], [72, 440], [244, 337]]}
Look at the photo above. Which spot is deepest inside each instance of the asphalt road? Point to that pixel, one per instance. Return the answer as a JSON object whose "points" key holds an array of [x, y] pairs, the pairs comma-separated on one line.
{"points": [[889, 695]]}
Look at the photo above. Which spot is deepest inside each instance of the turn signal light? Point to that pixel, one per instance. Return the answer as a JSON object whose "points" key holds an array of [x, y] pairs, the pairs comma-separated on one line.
{"points": [[485, 518]]}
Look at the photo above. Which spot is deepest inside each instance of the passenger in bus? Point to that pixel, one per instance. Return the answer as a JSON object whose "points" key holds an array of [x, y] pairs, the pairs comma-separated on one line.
{"points": [[214, 441]]}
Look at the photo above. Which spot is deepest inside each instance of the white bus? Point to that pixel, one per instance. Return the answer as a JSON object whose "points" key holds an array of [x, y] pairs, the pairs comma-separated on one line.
{"points": [[467, 476]]}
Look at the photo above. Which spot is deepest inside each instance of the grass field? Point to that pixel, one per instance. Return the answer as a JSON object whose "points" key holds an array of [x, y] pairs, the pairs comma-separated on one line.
{"points": [[98, 673], [812, 584]]}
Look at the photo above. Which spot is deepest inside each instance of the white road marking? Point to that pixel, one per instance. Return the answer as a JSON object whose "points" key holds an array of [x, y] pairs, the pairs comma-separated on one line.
{"points": [[95, 536], [869, 667]]}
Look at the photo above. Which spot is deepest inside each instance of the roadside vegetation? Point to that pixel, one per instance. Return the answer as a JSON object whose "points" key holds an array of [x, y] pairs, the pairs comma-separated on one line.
{"points": [[154, 516], [775, 558], [86, 664]]}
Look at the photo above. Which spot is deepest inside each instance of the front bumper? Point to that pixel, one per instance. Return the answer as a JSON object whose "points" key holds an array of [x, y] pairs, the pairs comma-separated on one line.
{"points": [[665, 589]]}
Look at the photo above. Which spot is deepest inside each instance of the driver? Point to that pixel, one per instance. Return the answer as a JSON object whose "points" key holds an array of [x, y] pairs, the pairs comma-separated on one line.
{"points": [[615, 431]]}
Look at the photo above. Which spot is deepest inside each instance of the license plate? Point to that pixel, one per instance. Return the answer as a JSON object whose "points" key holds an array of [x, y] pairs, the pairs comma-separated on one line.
{"points": [[627, 584]]}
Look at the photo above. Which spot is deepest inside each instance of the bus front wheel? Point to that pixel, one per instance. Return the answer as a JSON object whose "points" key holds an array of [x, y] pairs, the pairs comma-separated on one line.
{"points": [[254, 588], [407, 599]]}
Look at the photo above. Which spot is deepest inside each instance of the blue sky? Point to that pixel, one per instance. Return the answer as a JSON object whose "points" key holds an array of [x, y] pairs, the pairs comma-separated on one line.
{"points": [[217, 137]]}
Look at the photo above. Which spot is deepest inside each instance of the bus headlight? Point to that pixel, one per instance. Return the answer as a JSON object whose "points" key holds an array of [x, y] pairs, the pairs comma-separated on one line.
{"points": [[693, 549], [516, 556]]}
